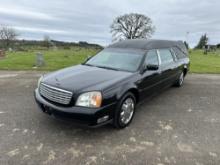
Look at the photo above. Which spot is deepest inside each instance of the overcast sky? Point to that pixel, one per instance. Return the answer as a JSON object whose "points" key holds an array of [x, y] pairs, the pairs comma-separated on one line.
{"points": [[89, 20]]}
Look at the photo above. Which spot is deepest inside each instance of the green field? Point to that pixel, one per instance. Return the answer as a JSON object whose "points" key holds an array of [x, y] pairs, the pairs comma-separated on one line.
{"points": [[57, 59], [54, 59], [201, 63]]}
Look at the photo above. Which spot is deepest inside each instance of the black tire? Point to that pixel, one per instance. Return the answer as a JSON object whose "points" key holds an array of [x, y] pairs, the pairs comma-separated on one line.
{"points": [[180, 80], [117, 118]]}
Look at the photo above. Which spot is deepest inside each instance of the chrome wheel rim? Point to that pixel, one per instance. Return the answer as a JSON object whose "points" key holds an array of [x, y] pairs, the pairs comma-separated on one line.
{"points": [[127, 110], [181, 79]]}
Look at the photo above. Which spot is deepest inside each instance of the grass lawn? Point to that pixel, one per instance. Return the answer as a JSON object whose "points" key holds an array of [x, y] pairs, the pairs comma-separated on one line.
{"points": [[57, 59], [201, 63], [54, 59]]}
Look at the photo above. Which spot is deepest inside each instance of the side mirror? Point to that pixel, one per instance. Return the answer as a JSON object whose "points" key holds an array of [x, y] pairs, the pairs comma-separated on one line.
{"points": [[151, 67]]}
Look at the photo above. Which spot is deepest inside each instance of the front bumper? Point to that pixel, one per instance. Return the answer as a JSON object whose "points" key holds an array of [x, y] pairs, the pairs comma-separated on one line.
{"points": [[81, 115]]}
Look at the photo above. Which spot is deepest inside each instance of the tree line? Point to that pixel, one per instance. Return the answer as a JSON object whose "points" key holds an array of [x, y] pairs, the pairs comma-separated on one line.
{"points": [[8, 39]]}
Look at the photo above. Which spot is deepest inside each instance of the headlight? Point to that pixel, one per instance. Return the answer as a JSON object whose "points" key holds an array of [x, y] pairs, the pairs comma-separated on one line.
{"points": [[90, 99], [39, 81]]}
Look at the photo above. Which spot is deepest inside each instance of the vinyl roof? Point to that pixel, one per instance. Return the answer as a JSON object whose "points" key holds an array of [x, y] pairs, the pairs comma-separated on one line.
{"points": [[145, 44]]}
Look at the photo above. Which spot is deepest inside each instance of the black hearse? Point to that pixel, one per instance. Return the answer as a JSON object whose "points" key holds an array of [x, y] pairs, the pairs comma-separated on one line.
{"points": [[107, 87]]}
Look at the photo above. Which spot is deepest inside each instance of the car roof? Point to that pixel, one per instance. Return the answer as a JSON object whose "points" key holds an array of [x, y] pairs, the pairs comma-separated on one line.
{"points": [[147, 44]]}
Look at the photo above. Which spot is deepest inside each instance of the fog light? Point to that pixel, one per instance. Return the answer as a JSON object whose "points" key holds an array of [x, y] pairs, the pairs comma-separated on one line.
{"points": [[102, 119]]}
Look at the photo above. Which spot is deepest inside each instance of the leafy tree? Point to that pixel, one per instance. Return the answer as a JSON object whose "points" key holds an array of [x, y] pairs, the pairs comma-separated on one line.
{"points": [[132, 26], [202, 42], [186, 44]]}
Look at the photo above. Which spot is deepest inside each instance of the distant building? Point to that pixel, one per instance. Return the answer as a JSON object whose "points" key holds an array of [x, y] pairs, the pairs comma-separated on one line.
{"points": [[210, 47]]}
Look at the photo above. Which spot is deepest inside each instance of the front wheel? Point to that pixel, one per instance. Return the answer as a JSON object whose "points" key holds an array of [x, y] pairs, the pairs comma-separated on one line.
{"points": [[125, 111], [180, 80]]}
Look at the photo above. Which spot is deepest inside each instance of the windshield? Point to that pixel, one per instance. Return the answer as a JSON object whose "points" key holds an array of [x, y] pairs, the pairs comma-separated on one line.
{"points": [[118, 60]]}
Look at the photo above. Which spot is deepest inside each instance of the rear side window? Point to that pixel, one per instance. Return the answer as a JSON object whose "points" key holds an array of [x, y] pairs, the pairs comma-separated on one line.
{"points": [[152, 58], [166, 56]]}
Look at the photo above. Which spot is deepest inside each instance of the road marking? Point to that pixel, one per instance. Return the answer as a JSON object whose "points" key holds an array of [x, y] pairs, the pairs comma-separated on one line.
{"points": [[2, 112]]}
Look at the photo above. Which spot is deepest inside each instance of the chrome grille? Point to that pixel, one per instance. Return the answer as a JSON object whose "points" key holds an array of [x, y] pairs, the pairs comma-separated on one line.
{"points": [[55, 94]]}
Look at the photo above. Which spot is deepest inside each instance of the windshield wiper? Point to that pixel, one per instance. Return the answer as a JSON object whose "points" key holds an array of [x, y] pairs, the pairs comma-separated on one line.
{"points": [[89, 65], [105, 67]]}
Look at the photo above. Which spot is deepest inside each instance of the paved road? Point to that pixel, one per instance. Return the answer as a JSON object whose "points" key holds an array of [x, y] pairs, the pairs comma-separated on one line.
{"points": [[179, 126]]}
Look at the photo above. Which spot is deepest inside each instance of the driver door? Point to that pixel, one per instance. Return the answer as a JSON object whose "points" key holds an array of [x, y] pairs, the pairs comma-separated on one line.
{"points": [[151, 79]]}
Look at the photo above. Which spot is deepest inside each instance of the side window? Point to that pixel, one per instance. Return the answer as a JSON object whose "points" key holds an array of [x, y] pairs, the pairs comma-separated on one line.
{"points": [[179, 53], [166, 56], [152, 58], [174, 54]]}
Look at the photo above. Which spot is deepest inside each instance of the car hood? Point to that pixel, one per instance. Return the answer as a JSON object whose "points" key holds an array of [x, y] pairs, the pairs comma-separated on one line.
{"points": [[84, 78]]}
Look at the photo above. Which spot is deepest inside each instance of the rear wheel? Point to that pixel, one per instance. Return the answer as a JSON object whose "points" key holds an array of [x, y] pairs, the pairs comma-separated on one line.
{"points": [[125, 111]]}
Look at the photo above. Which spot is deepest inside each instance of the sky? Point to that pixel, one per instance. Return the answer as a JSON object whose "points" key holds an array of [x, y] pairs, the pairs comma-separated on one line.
{"points": [[90, 20]]}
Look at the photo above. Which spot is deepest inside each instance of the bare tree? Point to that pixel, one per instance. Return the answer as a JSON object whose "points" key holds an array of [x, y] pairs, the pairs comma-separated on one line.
{"points": [[47, 41], [132, 26], [7, 36]]}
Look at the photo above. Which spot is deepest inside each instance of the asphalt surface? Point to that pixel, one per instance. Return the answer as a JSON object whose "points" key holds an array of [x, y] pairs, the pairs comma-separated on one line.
{"points": [[178, 126]]}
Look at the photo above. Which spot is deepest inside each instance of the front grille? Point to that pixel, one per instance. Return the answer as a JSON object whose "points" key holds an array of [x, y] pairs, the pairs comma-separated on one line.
{"points": [[55, 94]]}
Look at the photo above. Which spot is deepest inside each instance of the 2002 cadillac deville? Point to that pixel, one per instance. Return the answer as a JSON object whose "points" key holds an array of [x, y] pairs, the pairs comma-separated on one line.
{"points": [[107, 87]]}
